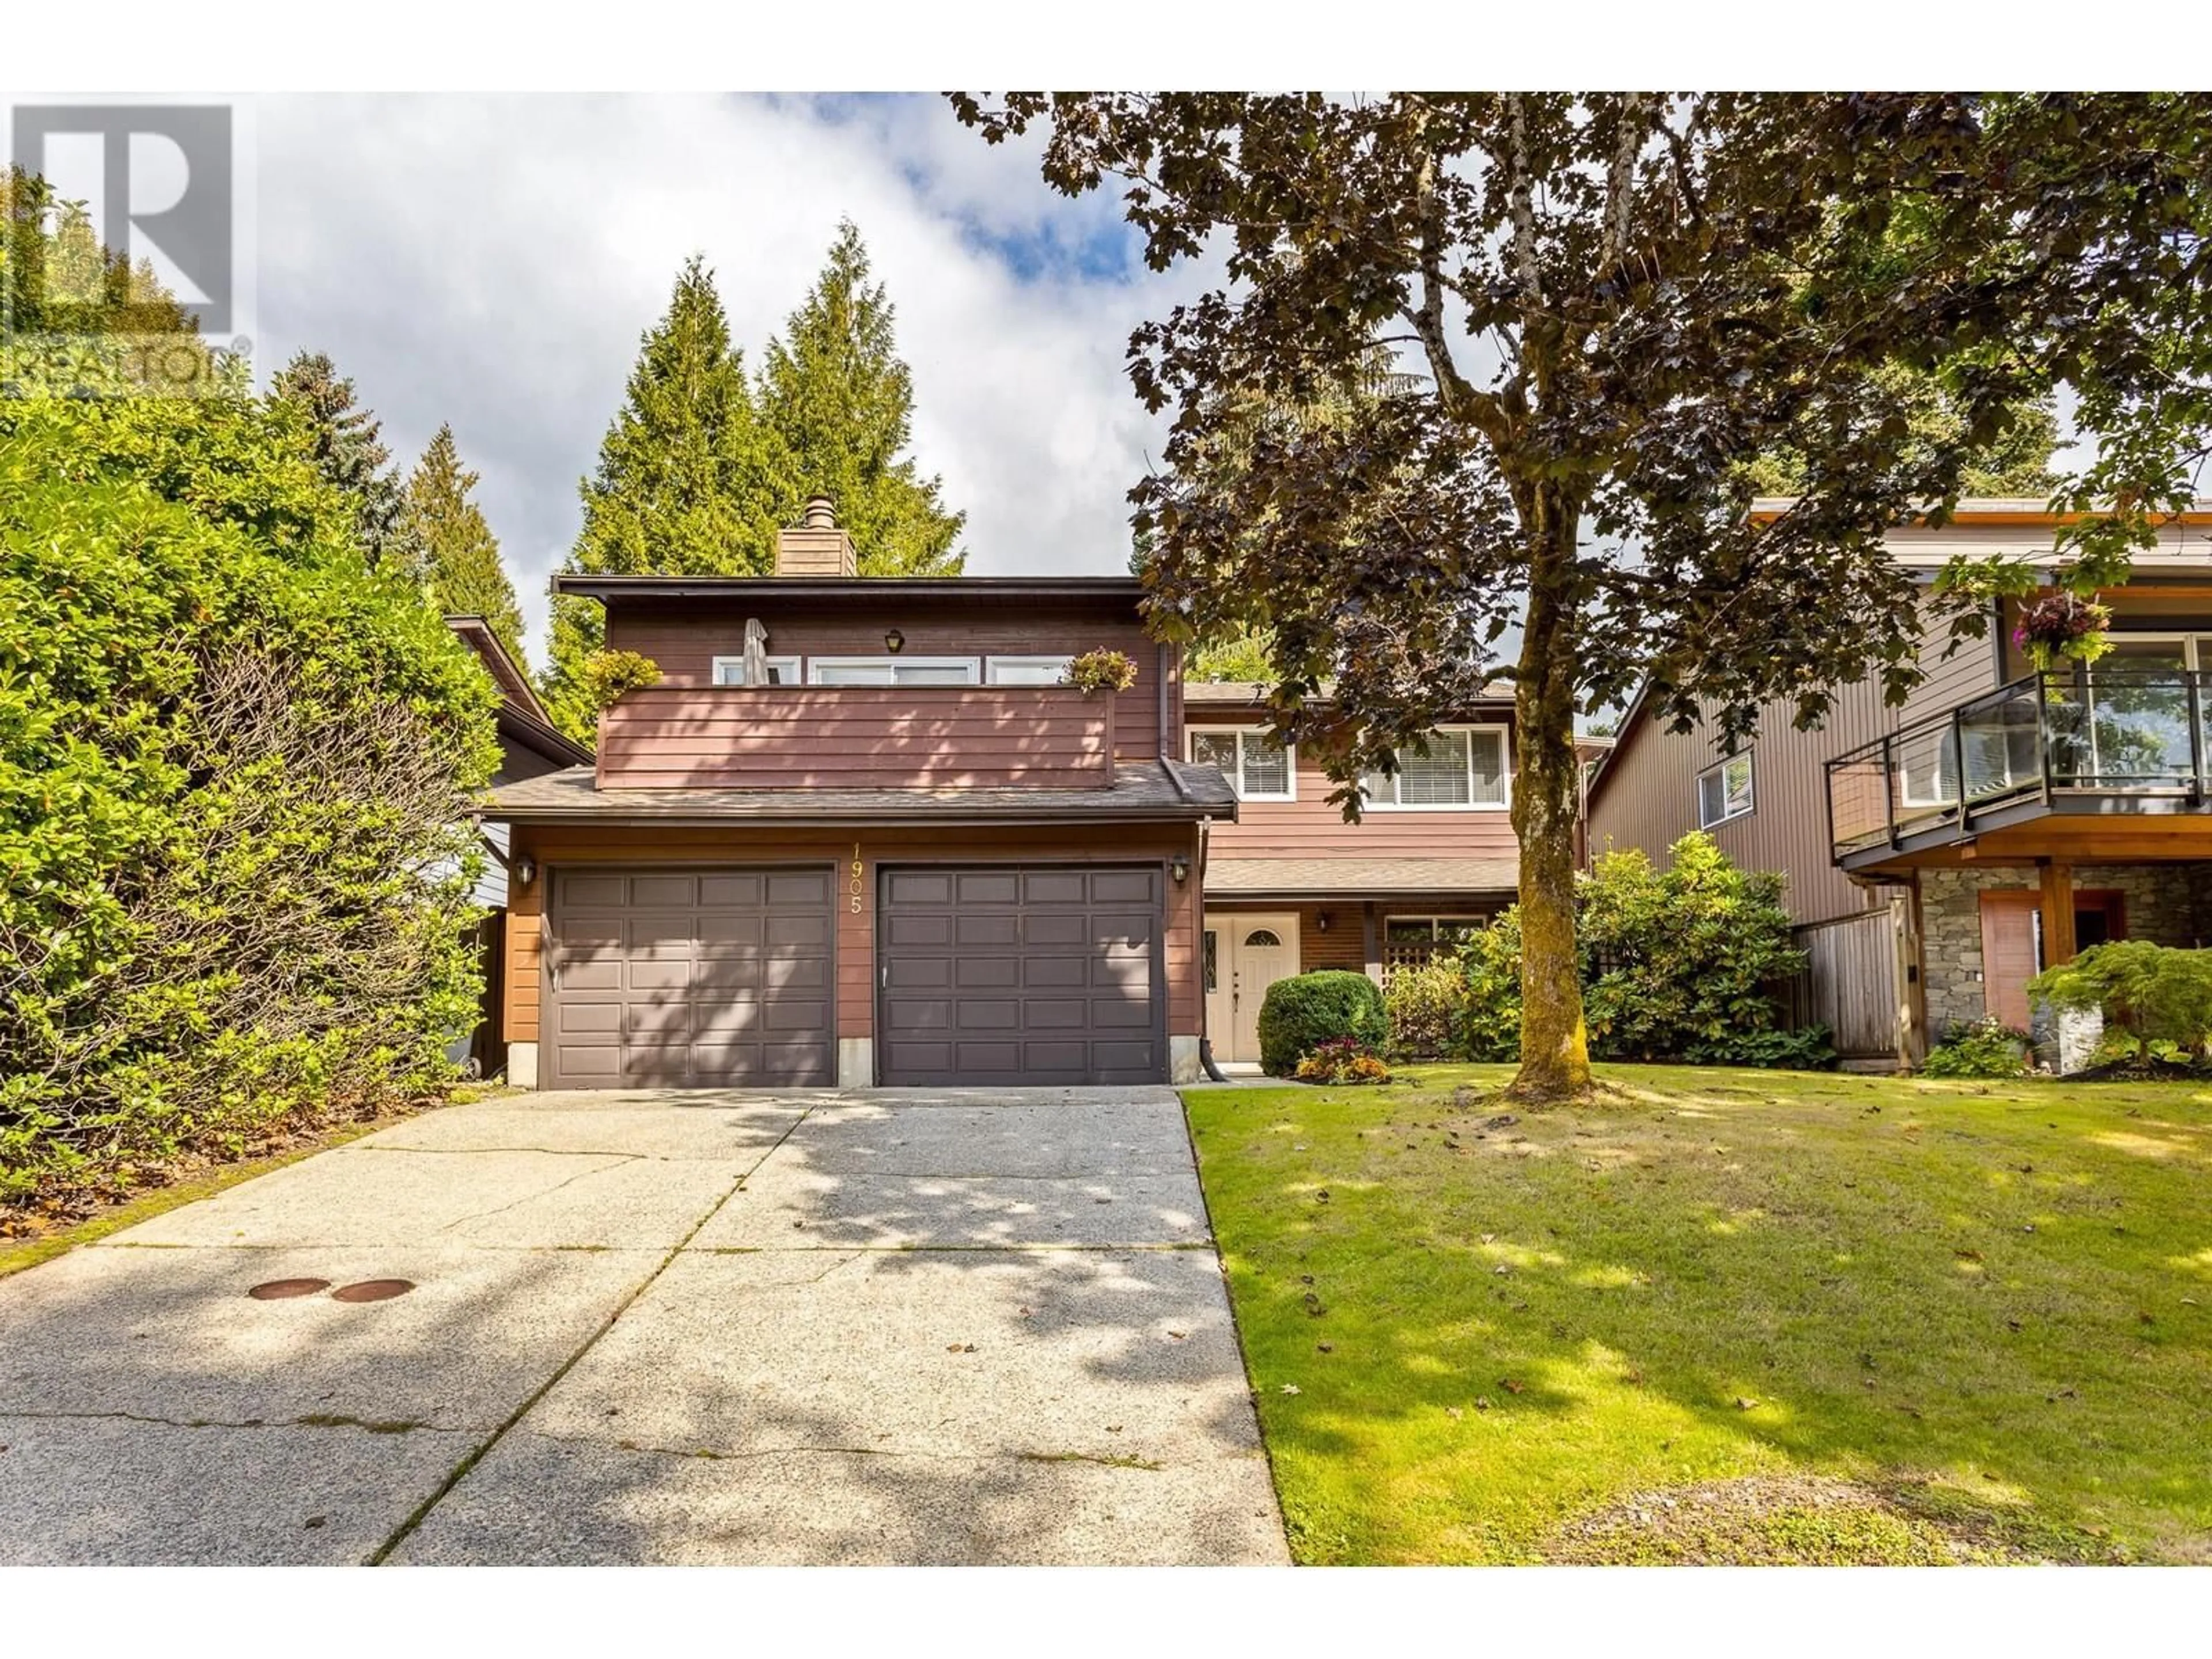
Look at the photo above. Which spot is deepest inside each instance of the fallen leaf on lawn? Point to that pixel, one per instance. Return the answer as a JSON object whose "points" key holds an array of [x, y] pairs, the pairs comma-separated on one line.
{"points": [[1178, 1335], [1290, 1387], [1325, 1347], [1510, 1386], [1482, 1402], [1113, 1428], [1633, 1377], [2188, 1300], [1502, 1268], [1454, 1412], [1490, 1238], [2015, 1325], [1322, 1197], [1744, 1405], [1967, 1255]]}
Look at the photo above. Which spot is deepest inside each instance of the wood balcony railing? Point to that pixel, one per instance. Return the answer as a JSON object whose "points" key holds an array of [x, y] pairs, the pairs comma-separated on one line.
{"points": [[857, 737]]}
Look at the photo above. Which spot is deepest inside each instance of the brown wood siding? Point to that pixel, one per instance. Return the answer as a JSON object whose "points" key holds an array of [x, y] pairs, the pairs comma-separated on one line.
{"points": [[684, 637], [1311, 828], [856, 947], [938, 737], [525, 908], [1650, 796]]}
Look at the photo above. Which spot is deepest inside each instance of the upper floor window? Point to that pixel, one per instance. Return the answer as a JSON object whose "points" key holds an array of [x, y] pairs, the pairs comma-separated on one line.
{"points": [[1256, 764], [894, 670], [1725, 791], [731, 671], [1025, 671], [1458, 766]]}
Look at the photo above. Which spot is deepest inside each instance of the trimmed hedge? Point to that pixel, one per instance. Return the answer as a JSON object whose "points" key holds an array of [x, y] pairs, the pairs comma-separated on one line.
{"points": [[1307, 1010]]}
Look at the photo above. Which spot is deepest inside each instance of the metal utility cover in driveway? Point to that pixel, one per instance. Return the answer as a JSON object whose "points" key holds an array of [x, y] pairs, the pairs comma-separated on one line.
{"points": [[1021, 973], [691, 977]]}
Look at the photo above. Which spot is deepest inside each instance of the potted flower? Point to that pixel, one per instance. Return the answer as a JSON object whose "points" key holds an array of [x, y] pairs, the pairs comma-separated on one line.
{"points": [[1103, 670], [2063, 627]]}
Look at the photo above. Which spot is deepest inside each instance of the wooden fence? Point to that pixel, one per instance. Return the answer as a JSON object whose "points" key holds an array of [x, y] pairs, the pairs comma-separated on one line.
{"points": [[1850, 984]]}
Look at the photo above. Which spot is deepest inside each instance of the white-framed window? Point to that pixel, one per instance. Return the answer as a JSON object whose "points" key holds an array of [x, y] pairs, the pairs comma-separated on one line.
{"points": [[1725, 791], [731, 671], [1258, 764], [894, 670], [1025, 671], [1457, 767]]}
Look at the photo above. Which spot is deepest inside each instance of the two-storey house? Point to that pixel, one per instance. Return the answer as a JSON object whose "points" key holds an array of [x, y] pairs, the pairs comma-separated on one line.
{"points": [[1941, 853], [1290, 886], [860, 834]]}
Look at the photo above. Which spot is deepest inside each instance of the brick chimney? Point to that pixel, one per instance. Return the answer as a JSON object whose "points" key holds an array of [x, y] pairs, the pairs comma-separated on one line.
{"points": [[815, 546]]}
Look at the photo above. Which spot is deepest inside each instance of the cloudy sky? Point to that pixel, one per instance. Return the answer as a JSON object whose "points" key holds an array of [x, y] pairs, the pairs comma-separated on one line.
{"points": [[492, 261]]}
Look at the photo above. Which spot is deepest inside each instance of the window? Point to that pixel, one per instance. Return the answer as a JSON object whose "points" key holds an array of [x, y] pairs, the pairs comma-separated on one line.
{"points": [[1263, 938], [1725, 791], [1212, 955], [1414, 941], [1459, 766], [1026, 671], [731, 671], [1256, 764], [893, 671]]}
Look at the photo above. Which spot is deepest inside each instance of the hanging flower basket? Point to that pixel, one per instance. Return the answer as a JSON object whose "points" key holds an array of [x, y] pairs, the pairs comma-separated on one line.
{"points": [[2062, 627], [1100, 670]]}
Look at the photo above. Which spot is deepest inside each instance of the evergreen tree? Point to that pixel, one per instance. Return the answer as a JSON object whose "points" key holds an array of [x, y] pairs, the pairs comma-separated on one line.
{"points": [[350, 452], [840, 401], [461, 567], [686, 482]]}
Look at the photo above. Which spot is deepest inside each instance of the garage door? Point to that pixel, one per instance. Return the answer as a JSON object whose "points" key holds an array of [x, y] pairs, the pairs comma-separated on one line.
{"points": [[1007, 974], [676, 978]]}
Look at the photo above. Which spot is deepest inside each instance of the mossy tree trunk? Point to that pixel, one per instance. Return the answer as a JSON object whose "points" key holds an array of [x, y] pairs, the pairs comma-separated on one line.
{"points": [[1554, 1045]]}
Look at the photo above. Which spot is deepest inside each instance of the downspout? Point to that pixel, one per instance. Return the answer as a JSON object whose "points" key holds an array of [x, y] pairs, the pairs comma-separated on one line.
{"points": [[1204, 1039]]}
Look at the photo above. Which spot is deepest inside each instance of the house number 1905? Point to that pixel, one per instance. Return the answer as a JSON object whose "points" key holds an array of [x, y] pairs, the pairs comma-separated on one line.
{"points": [[859, 885]]}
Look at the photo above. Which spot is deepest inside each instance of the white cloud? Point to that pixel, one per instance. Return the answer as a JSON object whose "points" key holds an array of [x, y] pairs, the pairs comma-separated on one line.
{"points": [[492, 262]]}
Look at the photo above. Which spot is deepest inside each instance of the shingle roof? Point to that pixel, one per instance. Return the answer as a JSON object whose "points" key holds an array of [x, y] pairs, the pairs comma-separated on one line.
{"points": [[1141, 790], [1299, 877]]}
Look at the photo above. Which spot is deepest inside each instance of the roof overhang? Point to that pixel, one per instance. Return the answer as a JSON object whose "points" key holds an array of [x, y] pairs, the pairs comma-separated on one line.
{"points": [[934, 590]]}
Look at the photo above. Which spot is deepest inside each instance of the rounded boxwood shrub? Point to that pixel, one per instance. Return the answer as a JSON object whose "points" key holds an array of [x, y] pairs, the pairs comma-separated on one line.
{"points": [[1307, 1010]]}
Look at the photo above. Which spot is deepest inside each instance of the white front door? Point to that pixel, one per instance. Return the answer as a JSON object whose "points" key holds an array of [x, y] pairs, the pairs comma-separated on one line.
{"points": [[1244, 955]]}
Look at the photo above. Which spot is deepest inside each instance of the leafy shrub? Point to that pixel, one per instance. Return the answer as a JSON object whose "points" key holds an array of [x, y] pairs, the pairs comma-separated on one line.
{"points": [[1676, 965], [1490, 1026], [609, 674], [1426, 1005], [1342, 1059], [2153, 992], [1103, 670], [234, 870], [1988, 1047], [1805, 1049], [1306, 1009]]}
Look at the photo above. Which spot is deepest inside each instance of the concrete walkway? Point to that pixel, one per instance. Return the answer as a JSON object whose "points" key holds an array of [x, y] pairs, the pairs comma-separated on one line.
{"points": [[676, 1327]]}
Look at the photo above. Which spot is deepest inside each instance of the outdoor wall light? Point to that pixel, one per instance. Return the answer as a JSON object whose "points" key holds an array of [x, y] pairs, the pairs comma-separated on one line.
{"points": [[1180, 869], [526, 870], [894, 641], [1321, 922]]}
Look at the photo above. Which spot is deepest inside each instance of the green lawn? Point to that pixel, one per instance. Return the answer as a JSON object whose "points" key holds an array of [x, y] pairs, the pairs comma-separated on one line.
{"points": [[1733, 1315]]}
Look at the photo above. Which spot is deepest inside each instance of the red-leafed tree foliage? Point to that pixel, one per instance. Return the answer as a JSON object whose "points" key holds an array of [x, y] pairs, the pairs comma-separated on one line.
{"points": [[1614, 302]]}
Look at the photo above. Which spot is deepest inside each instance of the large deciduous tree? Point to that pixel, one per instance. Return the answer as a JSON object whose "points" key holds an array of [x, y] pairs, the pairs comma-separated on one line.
{"points": [[462, 571], [1618, 301]]}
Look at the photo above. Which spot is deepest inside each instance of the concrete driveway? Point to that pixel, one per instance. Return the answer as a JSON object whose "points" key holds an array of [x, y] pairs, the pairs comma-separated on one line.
{"points": [[676, 1327]]}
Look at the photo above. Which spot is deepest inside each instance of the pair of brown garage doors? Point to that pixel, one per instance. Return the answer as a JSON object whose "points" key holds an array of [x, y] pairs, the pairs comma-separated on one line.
{"points": [[726, 977]]}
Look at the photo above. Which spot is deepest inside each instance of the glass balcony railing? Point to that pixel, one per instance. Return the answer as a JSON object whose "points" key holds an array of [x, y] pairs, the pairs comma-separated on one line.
{"points": [[2117, 732]]}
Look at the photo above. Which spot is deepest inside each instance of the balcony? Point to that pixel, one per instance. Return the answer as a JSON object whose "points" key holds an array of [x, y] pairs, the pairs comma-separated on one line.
{"points": [[858, 736], [2099, 741]]}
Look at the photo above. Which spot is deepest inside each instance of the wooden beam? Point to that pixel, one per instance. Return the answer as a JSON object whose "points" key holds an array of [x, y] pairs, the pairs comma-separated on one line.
{"points": [[2058, 914]]}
